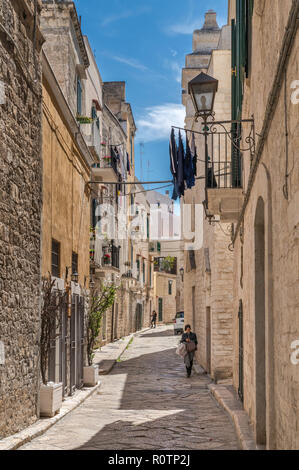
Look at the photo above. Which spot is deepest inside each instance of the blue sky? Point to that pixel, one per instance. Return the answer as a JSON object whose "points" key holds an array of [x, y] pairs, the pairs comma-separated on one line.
{"points": [[144, 43]]}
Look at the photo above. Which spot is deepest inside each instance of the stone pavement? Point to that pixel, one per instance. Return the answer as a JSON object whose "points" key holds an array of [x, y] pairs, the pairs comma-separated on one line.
{"points": [[146, 402]]}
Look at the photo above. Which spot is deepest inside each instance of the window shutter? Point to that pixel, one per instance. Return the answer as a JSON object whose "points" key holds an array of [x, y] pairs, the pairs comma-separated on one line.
{"points": [[248, 51]]}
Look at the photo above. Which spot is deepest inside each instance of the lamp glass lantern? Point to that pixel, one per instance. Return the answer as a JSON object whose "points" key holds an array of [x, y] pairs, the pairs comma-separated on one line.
{"points": [[202, 90]]}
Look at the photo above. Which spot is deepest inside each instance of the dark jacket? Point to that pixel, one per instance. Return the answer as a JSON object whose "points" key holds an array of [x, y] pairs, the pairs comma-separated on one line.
{"points": [[191, 336]]}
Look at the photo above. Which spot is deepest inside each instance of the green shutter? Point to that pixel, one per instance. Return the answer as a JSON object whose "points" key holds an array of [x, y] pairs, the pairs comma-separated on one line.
{"points": [[248, 13]]}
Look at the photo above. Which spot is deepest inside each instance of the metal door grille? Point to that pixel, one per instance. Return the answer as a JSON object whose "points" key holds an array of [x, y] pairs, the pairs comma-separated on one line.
{"points": [[73, 344], [241, 371], [80, 342]]}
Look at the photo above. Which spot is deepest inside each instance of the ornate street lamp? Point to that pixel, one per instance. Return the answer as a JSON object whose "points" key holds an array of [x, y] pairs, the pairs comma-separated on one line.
{"points": [[182, 273], [202, 90]]}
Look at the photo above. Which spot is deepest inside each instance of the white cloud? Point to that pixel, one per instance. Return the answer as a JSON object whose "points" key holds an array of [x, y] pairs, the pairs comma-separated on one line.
{"points": [[125, 14], [131, 62], [176, 68], [157, 121]]}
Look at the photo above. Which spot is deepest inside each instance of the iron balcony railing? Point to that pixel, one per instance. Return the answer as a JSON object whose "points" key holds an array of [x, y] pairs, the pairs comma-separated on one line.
{"points": [[111, 256], [222, 175]]}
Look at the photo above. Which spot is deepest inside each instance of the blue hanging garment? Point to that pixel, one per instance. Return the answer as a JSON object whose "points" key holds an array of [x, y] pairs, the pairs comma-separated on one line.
{"points": [[194, 155], [188, 167], [180, 171], [173, 154]]}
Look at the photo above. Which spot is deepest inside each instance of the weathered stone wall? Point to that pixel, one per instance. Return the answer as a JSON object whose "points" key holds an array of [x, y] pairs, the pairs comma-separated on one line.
{"points": [[20, 214], [65, 48], [281, 240]]}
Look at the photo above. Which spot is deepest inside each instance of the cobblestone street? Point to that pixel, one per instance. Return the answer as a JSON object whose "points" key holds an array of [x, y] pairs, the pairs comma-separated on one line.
{"points": [[146, 402]]}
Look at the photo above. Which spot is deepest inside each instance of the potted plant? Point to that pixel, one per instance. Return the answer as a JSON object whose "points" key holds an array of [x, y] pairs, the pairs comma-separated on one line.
{"points": [[107, 258], [101, 299], [52, 302]]}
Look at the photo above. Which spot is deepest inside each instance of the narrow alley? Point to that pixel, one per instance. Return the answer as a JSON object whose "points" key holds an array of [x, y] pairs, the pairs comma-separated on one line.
{"points": [[146, 402]]}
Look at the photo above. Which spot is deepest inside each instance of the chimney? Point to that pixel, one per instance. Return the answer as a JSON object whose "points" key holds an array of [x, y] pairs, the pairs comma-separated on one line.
{"points": [[210, 20]]}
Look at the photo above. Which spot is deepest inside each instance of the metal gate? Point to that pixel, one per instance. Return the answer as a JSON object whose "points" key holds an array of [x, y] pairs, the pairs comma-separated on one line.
{"points": [[76, 343], [208, 339], [63, 341], [241, 372], [80, 342], [73, 344], [160, 309], [138, 317]]}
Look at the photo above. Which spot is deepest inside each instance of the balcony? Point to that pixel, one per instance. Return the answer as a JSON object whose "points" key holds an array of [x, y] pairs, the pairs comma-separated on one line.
{"points": [[106, 171], [225, 195], [167, 265], [227, 143], [110, 257]]}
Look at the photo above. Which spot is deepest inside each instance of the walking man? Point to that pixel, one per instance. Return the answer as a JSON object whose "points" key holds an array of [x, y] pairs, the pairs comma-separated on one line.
{"points": [[190, 341], [154, 319]]}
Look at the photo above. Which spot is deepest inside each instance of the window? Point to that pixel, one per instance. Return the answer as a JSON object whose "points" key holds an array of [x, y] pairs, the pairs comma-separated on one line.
{"points": [[169, 287], [138, 269], [131, 146], [79, 97], [94, 113], [74, 262], [147, 227], [55, 268], [94, 116]]}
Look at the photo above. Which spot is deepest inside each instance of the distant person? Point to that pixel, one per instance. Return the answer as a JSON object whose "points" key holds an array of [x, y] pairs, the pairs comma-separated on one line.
{"points": [[190, 340], [154, 319]]}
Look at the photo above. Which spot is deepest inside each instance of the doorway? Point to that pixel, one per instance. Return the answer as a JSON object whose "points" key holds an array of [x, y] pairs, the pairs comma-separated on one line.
{"points": [[208, 339], [260, 312], [193, 327]]}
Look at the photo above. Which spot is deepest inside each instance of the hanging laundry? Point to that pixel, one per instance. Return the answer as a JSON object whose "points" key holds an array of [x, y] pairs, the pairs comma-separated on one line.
{"points": [[180, 171], [194, 154], [173, 154], [188, 167]]}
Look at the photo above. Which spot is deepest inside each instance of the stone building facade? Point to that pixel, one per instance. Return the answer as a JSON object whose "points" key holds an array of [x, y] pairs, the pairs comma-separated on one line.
{"points": [[266, 237], [65, 228], [208, 278], [20, 213]]}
